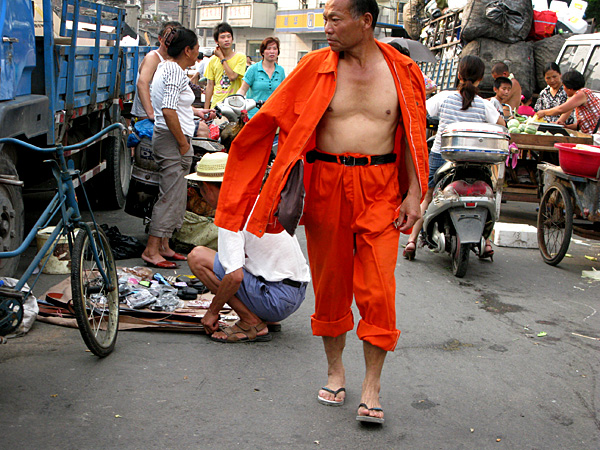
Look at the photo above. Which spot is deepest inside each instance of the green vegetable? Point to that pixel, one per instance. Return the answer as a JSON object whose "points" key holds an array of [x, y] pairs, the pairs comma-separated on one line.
{"points": [[513, 123], [522, 127], [514, 130], [540, 133], [530, 129], [558, 134]]}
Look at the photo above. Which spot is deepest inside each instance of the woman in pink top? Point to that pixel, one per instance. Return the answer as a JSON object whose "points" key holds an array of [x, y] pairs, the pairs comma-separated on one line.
{"points": [[582, 99]]}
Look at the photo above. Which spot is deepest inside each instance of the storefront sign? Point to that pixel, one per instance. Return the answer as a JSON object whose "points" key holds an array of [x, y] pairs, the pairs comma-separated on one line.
{"points": [[215, 13], [239, 12], [307, 20]]}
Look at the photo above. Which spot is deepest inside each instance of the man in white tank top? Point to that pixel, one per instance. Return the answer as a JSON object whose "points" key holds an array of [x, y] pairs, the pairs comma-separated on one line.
{"points": [[142, 105]]}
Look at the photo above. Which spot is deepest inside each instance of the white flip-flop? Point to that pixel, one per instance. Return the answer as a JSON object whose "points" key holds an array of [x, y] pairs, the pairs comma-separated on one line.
{"points": [[327, 402]]}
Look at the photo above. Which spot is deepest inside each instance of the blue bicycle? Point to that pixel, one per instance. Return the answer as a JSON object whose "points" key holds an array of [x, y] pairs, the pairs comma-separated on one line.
{"points": [[94, 284]]}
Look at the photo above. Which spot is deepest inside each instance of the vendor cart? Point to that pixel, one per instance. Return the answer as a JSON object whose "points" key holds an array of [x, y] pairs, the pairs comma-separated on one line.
{"points": [[564, 198], [522, 183]]}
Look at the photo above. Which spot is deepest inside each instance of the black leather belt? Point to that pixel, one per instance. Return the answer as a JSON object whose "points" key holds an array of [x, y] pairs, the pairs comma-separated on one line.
{"points": [[373, 160], [287, 281]]}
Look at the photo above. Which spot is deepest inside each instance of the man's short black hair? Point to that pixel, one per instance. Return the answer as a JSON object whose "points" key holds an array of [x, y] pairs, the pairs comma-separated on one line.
{"points": [[500, 81], [222, 27], [499, 68], [573, 80], [360, 7]]}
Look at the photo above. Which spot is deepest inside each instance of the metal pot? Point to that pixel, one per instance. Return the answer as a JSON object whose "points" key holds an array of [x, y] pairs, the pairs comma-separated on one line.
{"points": [[475, 142]]}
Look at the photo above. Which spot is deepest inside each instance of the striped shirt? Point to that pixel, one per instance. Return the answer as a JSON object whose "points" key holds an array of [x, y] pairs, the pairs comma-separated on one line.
{"points": [[171, 90], [447, 106], [589, 113]]}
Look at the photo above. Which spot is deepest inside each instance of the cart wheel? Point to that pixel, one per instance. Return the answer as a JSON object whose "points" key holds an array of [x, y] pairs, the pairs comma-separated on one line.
{"points": [[555, 224]]}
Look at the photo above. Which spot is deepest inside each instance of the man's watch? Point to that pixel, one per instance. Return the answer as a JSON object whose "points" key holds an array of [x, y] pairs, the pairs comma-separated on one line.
{"points": [[223, 61]]}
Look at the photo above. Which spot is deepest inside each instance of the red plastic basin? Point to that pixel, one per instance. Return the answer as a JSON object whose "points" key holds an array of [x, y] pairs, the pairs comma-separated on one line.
{"points": [[581, 163]]}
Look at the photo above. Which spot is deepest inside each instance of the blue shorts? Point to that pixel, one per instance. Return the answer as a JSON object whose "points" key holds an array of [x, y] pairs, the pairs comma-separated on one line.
{"points": [[272, 301], [435, 162]]}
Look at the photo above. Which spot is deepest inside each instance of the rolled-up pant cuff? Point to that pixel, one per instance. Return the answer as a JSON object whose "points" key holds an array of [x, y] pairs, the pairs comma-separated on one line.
{"points": [[332, 329], [379, 337]]}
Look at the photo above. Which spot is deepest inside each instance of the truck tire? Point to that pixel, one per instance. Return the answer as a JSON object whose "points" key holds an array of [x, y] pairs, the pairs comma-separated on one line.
{"points": [[11, 217], [118, 170]]}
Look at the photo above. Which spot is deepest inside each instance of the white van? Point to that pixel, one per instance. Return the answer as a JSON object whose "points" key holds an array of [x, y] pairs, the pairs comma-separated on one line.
{"points": [[581, 52]]}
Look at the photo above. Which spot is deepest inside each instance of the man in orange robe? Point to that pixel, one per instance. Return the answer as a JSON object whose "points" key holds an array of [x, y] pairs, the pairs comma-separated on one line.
{"points": [[352, 136]]}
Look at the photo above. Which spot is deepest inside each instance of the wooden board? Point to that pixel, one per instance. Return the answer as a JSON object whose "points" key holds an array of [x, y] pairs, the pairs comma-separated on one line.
{"points": [[546, 143]]}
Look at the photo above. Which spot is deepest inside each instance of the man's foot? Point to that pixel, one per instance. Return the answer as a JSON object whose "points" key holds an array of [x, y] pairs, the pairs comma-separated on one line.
{"points": [[330, 397], [370, 414], [243, 332]]}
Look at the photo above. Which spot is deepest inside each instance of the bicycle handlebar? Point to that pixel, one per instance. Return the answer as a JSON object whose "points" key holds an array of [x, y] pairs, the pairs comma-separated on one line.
{"points": [[79, 145]]}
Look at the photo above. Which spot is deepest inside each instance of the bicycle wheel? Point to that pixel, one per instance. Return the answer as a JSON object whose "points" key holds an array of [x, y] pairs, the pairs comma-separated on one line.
{"points": [[555, 224], [96, 308]]}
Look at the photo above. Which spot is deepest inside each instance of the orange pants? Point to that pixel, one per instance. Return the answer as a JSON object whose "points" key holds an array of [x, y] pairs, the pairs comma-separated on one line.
{"points": [[352, 248]]}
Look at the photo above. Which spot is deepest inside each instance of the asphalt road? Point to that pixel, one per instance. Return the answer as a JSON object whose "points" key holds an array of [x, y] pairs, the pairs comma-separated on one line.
{"points": [[469, 372]]}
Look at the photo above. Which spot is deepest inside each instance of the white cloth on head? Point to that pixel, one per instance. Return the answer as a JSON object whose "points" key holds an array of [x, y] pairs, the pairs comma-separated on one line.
{"points": [[274, 257]]}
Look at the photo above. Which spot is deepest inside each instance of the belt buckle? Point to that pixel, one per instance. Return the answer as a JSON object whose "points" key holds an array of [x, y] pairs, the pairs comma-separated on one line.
{"points": [[346, 160]]}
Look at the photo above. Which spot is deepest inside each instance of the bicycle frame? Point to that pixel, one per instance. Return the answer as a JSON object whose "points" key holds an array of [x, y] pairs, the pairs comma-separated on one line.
{"points": [[65, 201]]}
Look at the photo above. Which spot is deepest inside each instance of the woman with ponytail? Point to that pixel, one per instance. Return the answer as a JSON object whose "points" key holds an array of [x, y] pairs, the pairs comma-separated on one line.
{"points": [[174, 126], [463, 105]]}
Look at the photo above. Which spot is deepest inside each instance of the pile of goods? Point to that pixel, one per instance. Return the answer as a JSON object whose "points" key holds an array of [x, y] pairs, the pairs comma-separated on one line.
{"points": [[527, 125]]}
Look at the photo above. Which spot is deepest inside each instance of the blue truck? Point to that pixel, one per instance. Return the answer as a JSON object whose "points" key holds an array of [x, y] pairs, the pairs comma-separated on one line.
{"points": [[59, 90]]}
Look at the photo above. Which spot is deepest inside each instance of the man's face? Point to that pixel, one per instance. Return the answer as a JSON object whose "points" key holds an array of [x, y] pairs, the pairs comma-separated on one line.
{"points": [[225, 40], [343, 32], [209, 192], [503, 91]]}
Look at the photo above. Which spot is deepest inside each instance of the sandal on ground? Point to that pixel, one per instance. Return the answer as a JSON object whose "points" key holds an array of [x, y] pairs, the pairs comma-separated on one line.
{"points": [[488, 252], [370, 419], [175, 257], [324, 401], [410, 253], [250, 333], [164, 264]]}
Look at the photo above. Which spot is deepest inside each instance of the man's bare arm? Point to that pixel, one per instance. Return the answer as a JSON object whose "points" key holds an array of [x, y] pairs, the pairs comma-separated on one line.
{"points": [[229, 71], [208, 93], [410, 209], [147, 70], [514, 100], [229, 285]]}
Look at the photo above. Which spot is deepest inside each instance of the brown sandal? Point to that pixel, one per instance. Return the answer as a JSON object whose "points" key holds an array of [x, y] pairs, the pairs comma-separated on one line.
{"points": [[249, 331], [410, 254]]}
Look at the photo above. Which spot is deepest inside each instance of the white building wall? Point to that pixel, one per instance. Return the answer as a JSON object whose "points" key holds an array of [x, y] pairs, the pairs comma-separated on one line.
{"points": [[292, 45]]}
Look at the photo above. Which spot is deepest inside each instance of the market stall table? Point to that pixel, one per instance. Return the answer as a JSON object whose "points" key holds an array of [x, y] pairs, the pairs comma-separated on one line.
{"points": [[523, 183]]}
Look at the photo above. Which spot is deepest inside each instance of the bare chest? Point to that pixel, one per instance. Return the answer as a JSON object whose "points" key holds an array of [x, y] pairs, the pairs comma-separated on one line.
{"points": [[370, 92]]}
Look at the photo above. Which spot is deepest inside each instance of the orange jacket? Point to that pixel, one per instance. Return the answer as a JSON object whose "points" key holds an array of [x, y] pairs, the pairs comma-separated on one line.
{"points": [[296, 107]]}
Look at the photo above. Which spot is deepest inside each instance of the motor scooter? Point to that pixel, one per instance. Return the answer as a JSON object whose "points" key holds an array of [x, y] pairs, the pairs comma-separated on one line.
{"points": [[462, 212]]}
